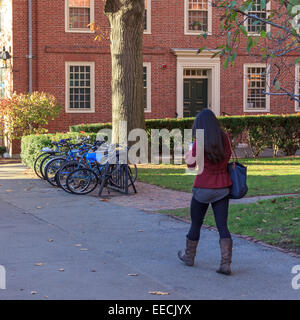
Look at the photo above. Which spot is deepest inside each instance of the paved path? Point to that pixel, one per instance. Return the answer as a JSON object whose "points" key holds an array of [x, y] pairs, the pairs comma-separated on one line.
{"points": [[60, 246], [154, 198]]}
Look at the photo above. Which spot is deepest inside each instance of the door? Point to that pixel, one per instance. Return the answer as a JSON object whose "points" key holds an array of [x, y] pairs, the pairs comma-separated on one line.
{"points": [[194, 96]]}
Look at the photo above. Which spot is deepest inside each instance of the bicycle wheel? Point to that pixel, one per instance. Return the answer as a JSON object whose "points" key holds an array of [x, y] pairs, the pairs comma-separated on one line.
{"points": [[64, 171], [43, 165], [82, 181], [51, 169], [37, 164]]}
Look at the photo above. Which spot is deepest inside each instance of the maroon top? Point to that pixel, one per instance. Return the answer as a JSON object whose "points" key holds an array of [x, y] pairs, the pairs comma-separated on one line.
{"points": [[214, 176]]}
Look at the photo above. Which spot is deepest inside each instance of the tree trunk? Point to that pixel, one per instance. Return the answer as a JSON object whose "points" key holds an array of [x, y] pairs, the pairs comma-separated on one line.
{"points": [[126, 19]]}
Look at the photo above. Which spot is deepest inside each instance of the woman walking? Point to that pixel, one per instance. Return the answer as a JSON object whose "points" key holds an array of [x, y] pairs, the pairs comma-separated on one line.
{"points": [[211, 186]]}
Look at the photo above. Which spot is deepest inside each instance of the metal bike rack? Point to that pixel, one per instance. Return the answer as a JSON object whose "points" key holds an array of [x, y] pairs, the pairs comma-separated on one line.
{"points": [[122, 179]]}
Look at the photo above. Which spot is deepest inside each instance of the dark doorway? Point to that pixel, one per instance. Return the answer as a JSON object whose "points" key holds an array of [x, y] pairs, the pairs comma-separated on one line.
{"points": [[194, 96]]}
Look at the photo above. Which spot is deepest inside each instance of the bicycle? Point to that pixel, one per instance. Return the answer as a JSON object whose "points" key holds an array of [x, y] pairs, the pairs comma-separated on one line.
{"points": [[46, 154]]}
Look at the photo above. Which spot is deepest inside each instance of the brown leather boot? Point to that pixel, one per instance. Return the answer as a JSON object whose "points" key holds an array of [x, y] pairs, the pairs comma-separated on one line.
{"points": [[226, 254], [190, 252]]}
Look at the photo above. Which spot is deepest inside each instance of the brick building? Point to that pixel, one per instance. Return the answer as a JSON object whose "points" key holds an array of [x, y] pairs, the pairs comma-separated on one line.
{"points": [[54, 51]]}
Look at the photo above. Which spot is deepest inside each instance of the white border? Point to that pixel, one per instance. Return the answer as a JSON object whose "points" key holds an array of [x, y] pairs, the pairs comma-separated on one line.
{"points": [[297, 84], [245, 86], [188, 58], [148, 66], [186, 21], [73, 30], [148, 17], [67, 94]]}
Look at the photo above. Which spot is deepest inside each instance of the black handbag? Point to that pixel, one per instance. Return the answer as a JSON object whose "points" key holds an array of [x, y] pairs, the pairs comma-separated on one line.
{"points": [[238, 175]]}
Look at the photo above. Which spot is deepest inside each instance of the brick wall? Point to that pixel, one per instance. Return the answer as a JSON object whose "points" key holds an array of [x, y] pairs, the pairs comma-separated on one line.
{"points": [[53, 47]]}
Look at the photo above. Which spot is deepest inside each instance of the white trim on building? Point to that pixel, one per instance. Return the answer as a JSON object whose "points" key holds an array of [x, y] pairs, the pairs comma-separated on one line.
{"points": [[245, 87], [91, 87], [189, 59]]}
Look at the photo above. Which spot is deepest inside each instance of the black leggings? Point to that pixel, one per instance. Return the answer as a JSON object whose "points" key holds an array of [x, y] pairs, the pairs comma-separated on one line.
{"points": [[198, 211]]}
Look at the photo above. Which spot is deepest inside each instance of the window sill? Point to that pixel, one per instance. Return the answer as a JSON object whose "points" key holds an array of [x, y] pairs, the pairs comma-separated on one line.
{"points": [[257, 110], [196, 33], [78, 31], [80, 111]]}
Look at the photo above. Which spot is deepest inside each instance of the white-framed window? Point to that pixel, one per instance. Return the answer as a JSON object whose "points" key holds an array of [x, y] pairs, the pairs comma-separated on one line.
{"points": [[253, 26], [147, 19], [197, 17], [297, 86], [147, 86], [80, 87], [256, 81], [78, 15]]}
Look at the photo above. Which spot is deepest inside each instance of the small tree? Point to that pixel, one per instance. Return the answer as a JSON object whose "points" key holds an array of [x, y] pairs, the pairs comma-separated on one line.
{"points": [[24, 114], [273, 48]]}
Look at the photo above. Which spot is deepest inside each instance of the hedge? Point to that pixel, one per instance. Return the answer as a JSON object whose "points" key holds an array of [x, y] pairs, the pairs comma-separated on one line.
{"points": [[280, 132], [31, 145]]}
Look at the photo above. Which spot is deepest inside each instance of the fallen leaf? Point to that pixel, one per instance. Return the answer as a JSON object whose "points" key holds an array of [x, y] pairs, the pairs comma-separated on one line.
{"points": [[133, 274], [263, 220], [46, 297], [104, 200], [274, 200], [8, 190], [159, 293], [38, 207], [39, 264], [140, 230]]}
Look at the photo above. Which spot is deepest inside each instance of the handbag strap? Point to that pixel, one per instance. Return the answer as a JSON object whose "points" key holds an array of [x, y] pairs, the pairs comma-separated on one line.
{"points": [[233, 154]]}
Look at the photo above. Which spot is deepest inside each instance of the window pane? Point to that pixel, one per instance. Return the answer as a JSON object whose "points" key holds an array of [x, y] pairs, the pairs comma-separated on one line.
{"points": [[198, 15], [79, 14], [252, 25], [256, 82], [80, 90]]}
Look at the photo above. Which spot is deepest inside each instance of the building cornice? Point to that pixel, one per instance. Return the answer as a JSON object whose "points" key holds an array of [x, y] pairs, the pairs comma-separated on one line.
{"points": [[189, 52]]}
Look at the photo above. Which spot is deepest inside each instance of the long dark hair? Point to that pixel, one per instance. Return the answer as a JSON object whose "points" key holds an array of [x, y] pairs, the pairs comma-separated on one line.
{"points": [[213, 135]]}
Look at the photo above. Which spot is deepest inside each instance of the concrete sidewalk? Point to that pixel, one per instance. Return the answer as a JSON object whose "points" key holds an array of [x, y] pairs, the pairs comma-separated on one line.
{"points": [[60, 246]]}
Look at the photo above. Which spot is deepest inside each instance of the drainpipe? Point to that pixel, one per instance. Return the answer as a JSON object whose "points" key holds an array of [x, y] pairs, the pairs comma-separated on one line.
{"points": [[30, 46]]}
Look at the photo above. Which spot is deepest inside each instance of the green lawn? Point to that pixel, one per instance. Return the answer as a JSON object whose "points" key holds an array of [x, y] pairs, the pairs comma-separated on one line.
{"points": [[266, 176], [275, 221]]}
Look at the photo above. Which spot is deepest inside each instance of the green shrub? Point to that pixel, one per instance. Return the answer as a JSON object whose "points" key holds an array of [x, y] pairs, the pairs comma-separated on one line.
{"points": [[2, 150], [31, 145]]}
